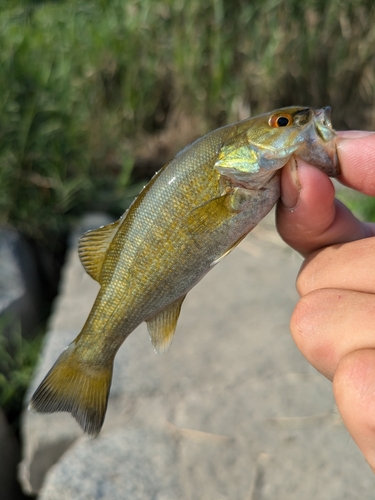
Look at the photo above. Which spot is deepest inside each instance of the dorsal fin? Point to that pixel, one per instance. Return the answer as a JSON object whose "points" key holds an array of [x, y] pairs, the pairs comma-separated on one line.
{"points": [[162, 326], [93, 246]]}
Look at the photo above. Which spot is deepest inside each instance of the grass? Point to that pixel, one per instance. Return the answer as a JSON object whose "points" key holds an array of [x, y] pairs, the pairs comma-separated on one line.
{"points": [[83, 83], [18, 357], [361, 205]]}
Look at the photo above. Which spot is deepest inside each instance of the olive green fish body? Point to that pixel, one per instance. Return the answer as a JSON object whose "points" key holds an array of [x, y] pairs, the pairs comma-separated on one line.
{"points": [[171, 242], [191, 214]]}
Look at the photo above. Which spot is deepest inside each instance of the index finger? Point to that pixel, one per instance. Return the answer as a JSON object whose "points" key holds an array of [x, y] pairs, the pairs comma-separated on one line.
{"points": [[356, 153]]}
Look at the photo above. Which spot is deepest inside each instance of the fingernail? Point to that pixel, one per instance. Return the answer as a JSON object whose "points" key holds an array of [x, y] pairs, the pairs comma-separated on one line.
{"points": [[290, 190]]}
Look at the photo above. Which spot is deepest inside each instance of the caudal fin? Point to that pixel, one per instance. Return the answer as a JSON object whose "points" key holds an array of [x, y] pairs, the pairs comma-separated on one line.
{"points": [[76, 387]]}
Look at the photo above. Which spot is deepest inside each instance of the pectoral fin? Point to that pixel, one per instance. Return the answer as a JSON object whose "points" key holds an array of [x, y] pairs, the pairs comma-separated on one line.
{"points": [[227, 252], [162, 326], [93, 247], [211, 215]]}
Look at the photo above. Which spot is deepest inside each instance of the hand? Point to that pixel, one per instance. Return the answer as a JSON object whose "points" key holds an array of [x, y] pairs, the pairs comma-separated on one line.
{"points": [[333, 324]]}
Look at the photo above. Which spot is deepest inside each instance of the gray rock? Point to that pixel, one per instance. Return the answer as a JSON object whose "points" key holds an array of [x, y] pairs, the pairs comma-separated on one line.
{"points": [[276, 437], [20, 293], [249, 416], [137, 464], [46, 437]]}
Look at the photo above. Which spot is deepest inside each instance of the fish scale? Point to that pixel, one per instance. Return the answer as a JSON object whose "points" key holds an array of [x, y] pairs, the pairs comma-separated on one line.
{"points": [[190, 215]]}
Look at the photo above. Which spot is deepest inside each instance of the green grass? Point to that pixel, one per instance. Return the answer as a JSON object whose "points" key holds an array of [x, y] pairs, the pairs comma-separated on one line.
{"points": [[82, 83], [361, 205], [18, 357]]}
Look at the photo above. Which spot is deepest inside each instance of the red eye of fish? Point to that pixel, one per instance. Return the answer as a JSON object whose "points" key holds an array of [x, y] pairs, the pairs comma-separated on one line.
{"points": [[280, 120]]}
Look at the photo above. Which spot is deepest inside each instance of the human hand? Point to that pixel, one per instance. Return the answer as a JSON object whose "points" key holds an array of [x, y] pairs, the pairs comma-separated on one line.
{"points": [[333, 324]]}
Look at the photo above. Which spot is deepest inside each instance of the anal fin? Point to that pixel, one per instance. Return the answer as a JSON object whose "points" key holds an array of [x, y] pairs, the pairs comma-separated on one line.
{"points": [[162, 326]]}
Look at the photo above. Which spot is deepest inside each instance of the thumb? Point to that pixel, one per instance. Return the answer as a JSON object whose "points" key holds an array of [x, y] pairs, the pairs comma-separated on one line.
{"points": [[308, 216]]}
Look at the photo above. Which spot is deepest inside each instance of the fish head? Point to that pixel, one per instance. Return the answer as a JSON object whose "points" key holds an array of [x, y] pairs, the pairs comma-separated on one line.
{"points": [[314, 138], [263, 144]]}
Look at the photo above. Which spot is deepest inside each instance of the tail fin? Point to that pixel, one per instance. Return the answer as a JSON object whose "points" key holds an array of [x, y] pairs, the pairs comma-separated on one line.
{"points": [[76, 387]]}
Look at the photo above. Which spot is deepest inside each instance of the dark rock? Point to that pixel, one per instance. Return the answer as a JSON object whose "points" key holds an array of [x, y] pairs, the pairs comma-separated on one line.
{"points": [[20, 289], [9, 454]]}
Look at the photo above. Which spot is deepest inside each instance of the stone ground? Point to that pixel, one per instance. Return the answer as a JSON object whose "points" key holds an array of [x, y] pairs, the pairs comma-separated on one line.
{"points": [[232, 411]]}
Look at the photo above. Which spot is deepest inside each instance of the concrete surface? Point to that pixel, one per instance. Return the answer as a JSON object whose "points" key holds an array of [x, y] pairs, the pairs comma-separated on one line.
{"points": [[232, 411]]}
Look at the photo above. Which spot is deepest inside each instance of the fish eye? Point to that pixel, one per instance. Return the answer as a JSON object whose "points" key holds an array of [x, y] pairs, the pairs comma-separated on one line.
{"points": [[280, 120]]}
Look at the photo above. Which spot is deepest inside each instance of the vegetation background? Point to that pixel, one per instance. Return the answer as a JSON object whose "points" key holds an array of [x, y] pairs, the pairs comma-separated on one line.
{"points": [[95, 95]]}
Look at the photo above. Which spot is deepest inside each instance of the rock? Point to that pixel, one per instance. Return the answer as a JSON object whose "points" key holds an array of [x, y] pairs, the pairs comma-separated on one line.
{"points": [[137, 464], [270, 438], [233, 406], [46, 437], [20, 292], [9, 455]]}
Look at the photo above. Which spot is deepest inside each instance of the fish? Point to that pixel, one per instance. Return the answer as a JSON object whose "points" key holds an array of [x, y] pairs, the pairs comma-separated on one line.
{"points": [[192, 213]]}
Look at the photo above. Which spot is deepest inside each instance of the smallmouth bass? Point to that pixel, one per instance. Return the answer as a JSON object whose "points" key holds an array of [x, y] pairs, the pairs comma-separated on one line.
{"points": [[191, 214]]}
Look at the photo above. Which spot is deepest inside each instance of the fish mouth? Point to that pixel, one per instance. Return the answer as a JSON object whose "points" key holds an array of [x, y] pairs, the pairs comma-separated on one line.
{"points": [[323, 128], [320, 146], [323, 116]]}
